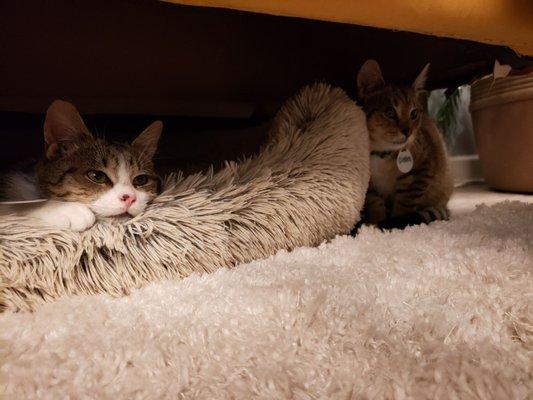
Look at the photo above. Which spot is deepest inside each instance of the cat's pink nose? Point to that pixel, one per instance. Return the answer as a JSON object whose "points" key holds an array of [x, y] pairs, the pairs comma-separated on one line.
{"points": [[128, 199]]}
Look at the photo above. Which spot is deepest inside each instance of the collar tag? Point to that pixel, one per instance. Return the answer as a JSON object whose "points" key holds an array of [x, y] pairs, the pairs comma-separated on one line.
{"points": [[404, 161]]}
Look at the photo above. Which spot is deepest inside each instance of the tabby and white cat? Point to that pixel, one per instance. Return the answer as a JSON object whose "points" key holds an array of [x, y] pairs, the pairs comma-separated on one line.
{"points": [[85, 178], [410, 181]]}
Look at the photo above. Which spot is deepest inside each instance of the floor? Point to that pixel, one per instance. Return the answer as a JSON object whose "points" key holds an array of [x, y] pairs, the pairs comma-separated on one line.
{"points": [[466, 197]]}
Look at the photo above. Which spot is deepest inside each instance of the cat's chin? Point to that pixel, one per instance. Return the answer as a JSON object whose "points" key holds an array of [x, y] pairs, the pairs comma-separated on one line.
{"points": [[390, 146], [116, 212], [400, 143], [116, 217], [123, 216], [108, 214]]}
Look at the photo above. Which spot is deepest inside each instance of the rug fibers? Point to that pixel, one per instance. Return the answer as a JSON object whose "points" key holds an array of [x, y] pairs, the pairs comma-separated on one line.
{"points": [[439, 311]]}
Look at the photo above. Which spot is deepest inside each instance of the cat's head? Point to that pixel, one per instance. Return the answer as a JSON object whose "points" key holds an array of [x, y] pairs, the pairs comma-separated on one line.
{"points": [[393, 112], [112, 179]]}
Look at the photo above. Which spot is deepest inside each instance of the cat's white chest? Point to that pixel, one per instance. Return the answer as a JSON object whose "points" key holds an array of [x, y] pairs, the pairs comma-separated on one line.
{"points": [[383, 175]]}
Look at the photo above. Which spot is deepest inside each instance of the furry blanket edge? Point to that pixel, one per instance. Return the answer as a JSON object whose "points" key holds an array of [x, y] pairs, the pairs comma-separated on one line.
{"points": [[306, 186]]}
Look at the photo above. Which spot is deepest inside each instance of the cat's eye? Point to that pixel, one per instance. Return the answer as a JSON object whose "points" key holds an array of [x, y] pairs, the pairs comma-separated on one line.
{"points": [[140, 180], [97, 176], [390, 112], [414, 114]]}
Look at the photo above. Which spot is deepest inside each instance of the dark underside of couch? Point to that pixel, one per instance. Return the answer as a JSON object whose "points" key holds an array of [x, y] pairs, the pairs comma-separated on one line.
{"points": [[215, 77]]}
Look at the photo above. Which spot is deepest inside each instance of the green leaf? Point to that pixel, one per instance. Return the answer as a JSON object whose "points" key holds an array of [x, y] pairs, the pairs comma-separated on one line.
{"points": [[447, 114]]}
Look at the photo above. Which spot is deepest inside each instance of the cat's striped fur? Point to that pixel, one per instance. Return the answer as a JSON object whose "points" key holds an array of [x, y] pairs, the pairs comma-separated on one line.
{"points": [[84, 177], [396, 120]]}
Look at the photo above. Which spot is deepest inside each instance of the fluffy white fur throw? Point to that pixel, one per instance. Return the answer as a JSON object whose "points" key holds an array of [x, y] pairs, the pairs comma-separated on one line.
{"points": [[307, 184], [434, 312]]}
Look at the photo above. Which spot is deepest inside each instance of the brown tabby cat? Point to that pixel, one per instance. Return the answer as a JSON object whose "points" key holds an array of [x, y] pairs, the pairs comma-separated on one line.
{"points": [[85, 177], [410, 182]]}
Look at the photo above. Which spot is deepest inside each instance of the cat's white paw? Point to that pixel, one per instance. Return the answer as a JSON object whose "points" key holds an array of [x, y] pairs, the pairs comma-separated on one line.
{"points": [[65, 215]]}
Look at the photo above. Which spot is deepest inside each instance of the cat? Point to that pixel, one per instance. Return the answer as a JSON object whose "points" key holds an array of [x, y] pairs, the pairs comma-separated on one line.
{"points": [[410, 180], [85, 178]]}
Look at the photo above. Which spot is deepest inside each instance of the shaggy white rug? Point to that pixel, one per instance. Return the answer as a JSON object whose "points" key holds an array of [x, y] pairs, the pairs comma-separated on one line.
{"points": [[439, 311]]}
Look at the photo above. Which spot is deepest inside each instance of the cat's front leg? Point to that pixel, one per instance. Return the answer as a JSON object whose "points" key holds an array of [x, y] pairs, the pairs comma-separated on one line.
{"points": [[409, 193], [375, 209], [65, 215]]}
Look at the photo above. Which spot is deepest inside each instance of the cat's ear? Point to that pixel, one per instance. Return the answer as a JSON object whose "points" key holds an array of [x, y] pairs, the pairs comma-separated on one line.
{"points": [[146, 142], [63, 124], [369, 79], [420, 82]]}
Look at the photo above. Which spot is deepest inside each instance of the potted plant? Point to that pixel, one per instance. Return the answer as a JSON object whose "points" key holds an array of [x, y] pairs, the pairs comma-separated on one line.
{"points": [[501, 109]]}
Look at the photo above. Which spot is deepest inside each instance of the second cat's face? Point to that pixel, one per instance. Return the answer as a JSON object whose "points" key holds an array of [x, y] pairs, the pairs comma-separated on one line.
{"points": [[393, 113], [112, 179], [393, 117]]}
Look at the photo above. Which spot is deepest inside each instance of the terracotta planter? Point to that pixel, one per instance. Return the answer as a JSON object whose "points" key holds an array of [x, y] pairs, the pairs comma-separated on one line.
{"points": [[502, 115]]}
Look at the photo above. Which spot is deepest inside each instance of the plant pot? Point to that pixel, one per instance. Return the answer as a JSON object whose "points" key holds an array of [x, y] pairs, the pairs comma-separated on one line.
{"points": [[502, 116]]}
